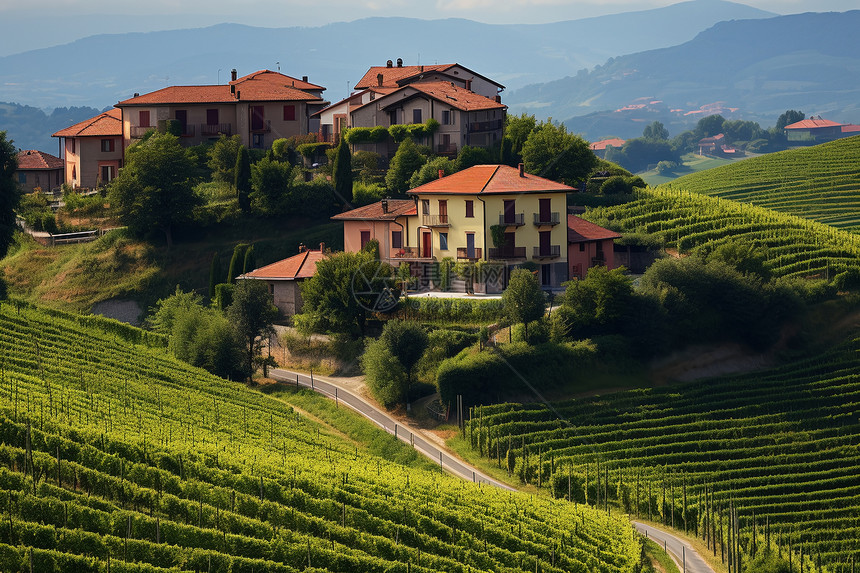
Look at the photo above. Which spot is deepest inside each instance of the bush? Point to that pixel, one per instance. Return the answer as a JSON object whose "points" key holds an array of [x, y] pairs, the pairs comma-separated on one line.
{"points": [[366, 193]]}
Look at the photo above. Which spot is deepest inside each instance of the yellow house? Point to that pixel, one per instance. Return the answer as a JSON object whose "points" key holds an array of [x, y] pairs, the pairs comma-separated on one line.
{"points": [[491, 213]]}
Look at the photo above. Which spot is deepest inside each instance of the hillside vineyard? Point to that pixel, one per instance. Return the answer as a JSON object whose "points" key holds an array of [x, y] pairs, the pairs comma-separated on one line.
{"points": [[117, 457]]}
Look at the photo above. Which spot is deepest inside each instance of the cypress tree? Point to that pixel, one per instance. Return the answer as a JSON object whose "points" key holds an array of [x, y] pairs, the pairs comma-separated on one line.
{"points": [[250, 261], [237, 262], [342, 172], [215, 274], [242, 181]]}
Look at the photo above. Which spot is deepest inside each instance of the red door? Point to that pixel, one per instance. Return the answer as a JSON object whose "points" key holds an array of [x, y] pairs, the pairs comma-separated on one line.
{"points": [[545, 210], [426, 242], [257, 116]]}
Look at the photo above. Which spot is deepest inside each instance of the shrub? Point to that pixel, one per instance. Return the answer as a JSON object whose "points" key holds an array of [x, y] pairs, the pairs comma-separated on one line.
{"points": [[366, 193]]}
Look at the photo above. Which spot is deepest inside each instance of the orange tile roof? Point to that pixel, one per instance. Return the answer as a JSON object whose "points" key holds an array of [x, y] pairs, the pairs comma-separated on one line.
{"points": [[108, 123], [813, 123], [264, 85], [34, 159], [851, 128], [456, 97], [581, 231], [490, 179], [301, 266], [374, 212], [392, 75], [603, 144]]}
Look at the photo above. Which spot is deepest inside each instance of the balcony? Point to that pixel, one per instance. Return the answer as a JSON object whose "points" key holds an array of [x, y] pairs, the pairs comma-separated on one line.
{"points": [[491, 125], [512, 219], [261, 126], [449, 149], [547, 252], [463, 254], [541, 221], [435, 221], [215, 129], [508, 253], [138, 131], [408, 253]]}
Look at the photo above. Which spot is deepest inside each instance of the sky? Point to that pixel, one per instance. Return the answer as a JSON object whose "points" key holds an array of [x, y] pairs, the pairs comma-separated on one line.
{"points": [[43, 23]]}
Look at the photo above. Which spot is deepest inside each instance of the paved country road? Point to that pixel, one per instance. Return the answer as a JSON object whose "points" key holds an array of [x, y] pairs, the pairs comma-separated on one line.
{"points": [[680, 550], [329, 387], [687, 559]]}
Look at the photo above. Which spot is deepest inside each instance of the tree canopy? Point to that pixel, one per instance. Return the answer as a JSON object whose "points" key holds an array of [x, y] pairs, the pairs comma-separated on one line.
{"points": [[153, 189], [551, 152], [222, 158], [10, 194], [405, 162], [342, 173], [524, 301], [252, 314], [389, 361]]}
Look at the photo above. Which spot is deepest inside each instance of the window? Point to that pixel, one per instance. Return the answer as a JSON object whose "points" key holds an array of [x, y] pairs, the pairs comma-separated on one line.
{"points": [[396, 239], [470, 208], [392, 117], [212, 117], [416, 116], [107, 145], [144, 118], [107, 173], [365, 237], [289, 113], [425, 206], [73, 144], [581, 247], [257, 140], [443, 241], [446, 117], [22, 178]]}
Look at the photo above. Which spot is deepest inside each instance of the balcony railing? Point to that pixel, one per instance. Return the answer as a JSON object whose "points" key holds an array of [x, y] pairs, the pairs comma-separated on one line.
{"points": [[408, 253], [513, 219], [553, 252], [463, 253], [508, 253], [491, 125], [138, 131], [553, 219], [450, 149], [435, 221], [215, 129], [262, 127]]}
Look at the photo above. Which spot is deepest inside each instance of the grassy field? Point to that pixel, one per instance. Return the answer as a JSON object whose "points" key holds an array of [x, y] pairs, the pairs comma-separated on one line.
{"points": [[116, 457], [691, 163], [821, 183]]}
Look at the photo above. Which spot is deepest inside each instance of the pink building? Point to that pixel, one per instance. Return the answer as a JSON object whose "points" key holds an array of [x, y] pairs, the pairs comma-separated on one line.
{"points": [[92, 150], [285, 277], [388, 222], [588, 245]]}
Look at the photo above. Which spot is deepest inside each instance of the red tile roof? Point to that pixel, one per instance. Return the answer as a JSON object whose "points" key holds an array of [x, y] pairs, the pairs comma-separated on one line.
{"points": [[264, 85], [603, 144], [851, 128], [582, 231], [374, 212], [490, 179], [301, 266], [456, 97], [105, 124], [813, 123], [392, 75], [34, 159]]}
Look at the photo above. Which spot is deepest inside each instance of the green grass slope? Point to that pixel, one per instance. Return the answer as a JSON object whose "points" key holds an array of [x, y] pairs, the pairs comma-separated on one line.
{"points": [[783, 446], [796, 247], [821, 183], [116, 457]]}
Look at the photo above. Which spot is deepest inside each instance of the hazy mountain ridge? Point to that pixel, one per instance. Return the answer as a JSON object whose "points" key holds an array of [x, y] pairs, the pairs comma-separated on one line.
{"points": [[100, 70], [747, 64]]}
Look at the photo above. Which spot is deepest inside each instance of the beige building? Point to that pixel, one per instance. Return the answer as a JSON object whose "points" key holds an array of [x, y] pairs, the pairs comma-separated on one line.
{"points": [[285, 277], [260, 107], [92, 150], [38, 170]]}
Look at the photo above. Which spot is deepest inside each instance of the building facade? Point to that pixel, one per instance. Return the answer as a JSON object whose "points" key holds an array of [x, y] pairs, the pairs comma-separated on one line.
{"points": [[92, 150], [38, 170]]}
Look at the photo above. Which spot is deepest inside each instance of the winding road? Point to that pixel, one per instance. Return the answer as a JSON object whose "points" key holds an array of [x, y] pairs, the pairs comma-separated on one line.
{"points": [[684, 555]]}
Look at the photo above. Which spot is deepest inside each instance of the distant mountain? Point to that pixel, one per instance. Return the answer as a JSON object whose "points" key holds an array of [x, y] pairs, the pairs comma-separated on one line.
{"points": [[31, 128], [100, 70], [755, 69]]}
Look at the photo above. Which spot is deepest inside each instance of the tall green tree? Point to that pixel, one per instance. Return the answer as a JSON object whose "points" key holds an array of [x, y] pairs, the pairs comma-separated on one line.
{"points": [[551, 152], [237, 262], [523, 299], [407, 341], [153, 190], [222, 158], [10, 193], [271, 181], [655, 130], [215, 274], [790, 116], [242, 180], [252, 314], [518, 128], [405, 162], [342, 172]]}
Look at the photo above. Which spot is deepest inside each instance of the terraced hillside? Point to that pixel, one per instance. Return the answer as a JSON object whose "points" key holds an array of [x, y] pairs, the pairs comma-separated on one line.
{"points": [[684, 220], [116, 457], [821, 183], [782, 446]]}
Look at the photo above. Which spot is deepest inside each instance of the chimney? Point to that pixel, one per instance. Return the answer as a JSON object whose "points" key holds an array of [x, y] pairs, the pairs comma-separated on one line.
{"points": [[238, 94], [384, 205], [302, 247], [399, 62], [498, 99], [388, 64], [305, 79], [441, 173], [422, 68], [233, 75], [232, 90], [136, 94], [322, 247], [379, 79], [522, 170], [469, 85]]}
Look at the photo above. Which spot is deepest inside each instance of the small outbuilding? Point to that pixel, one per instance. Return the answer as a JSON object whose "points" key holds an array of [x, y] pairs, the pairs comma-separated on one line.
{"points": [[284, 278]]}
